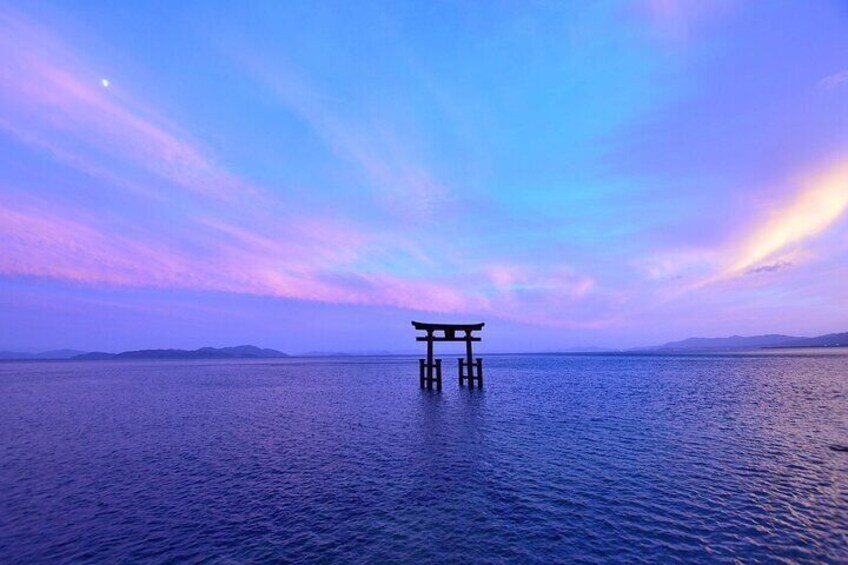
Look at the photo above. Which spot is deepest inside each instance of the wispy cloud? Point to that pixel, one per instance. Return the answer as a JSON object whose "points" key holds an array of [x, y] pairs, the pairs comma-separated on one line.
{"points": [[52, 99], [677, 264], [383, 158], [776, 266], [674, 20], [834, 81], [41, 240]]}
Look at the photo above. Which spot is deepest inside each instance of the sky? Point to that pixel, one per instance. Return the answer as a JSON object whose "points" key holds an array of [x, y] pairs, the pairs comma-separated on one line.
{"points": [[311, 176]]}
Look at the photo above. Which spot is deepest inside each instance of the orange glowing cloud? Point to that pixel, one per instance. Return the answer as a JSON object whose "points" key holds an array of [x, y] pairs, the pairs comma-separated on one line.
{"points": [[822, 201]]}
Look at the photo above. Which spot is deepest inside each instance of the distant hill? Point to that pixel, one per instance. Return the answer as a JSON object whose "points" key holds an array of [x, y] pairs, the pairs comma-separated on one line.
{"points": [[238, 352], [94, 356], [736, 342], [829, 340], [725, 343], [54, 354]]}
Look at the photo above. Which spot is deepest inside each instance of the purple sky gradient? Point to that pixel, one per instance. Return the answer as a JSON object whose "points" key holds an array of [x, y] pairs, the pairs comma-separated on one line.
{"points": [[311, 176]]}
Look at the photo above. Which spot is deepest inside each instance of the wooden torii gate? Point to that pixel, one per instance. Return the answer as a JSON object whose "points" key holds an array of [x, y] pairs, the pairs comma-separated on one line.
{"points": [[430, 370]]}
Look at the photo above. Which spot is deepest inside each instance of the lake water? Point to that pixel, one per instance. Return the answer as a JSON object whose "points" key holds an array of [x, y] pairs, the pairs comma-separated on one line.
{"points": [[559, 458]]}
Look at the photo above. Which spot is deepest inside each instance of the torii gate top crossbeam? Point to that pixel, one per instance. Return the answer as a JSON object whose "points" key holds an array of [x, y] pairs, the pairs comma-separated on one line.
{"points": [[449, 331], [461, 327]]}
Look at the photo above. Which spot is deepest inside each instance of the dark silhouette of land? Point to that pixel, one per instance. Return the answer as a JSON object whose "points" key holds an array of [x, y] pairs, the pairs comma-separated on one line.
{"points": [[690, 345], [52, 354], [239, 352], [737, 343]]}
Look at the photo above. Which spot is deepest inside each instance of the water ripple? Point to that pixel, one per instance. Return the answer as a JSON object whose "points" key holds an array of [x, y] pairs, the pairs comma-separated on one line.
{"points": [[593, 459]]}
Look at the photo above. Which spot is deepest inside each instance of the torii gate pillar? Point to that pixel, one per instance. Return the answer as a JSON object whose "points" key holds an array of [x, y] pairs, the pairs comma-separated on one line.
{"points": [[430, 370]]}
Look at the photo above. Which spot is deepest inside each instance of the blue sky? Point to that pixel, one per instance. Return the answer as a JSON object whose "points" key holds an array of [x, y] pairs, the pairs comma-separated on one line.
{"points": [[311, 176]]}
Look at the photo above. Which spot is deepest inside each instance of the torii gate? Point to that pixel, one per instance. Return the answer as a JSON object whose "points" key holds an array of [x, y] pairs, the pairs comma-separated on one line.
{"points": [[430, 370]]}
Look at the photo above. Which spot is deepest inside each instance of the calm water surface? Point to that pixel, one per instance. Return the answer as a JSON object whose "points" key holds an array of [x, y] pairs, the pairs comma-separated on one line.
{"points": [[559, 458]]}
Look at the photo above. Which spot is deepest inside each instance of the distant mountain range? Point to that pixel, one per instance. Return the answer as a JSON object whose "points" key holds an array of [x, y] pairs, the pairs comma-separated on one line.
{"points": [[53, 354], [690, 345], [238, 352], [737, 343]]}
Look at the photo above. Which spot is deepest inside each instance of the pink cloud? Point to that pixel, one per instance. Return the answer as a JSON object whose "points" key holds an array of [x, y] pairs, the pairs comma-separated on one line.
{"points": [[54, 101], [821, 200], [40, 241]]}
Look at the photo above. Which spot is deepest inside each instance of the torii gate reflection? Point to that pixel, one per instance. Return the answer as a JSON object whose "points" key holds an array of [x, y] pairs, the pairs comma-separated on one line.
{"points": [[430, 370]]}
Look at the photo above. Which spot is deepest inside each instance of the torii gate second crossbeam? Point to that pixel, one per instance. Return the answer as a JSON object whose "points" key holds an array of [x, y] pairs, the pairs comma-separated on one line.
{"points": [[430, 370]]}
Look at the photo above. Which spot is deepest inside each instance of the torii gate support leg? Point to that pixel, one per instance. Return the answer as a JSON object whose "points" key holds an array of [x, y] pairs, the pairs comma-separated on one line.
{"points": [[469, 359]]}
